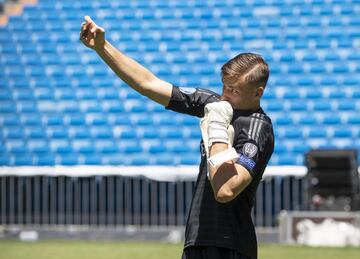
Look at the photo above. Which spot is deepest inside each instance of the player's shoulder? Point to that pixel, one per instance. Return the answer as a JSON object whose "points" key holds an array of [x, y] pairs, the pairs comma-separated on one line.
{"points": [[255, 125]]}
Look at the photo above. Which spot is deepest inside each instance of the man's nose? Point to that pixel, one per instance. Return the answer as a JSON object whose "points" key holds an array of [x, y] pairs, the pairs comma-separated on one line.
{"points": [[225, 97]]}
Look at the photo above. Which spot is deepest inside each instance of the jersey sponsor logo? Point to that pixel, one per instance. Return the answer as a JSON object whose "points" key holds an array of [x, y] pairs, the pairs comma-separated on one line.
{"points": [[246, 161], [187, 90], [249, 150]]}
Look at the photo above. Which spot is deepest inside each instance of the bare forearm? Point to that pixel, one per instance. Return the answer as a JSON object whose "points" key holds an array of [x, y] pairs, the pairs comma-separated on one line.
{"points": [[126, 68], [227, 179], [215, 149], [134, 74]]}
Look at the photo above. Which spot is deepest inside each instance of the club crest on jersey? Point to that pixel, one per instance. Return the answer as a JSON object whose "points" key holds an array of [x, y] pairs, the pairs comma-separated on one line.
{"points": [[187, 90], [249, 150]]}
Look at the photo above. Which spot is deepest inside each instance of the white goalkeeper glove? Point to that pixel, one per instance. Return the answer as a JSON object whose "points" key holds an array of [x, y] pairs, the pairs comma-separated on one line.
{"points": [[215, 126]]}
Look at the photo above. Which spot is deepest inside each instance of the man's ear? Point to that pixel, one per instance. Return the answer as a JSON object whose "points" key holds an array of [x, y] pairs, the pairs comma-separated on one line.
{"points": [[259, 91]]}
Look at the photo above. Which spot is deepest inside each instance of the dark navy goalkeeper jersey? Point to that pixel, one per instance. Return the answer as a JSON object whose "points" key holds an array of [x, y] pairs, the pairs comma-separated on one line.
{"points": [[228, 225]]}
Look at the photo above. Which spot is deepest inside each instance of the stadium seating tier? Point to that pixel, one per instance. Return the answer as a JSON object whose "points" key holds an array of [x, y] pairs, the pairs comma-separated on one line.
{"points": [[59, 104]]}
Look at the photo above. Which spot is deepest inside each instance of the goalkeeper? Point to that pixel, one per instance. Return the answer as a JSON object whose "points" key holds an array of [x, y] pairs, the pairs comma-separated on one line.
{"points": [[237, 143]]}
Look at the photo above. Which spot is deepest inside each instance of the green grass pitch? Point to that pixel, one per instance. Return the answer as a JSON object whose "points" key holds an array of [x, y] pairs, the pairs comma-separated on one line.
{"points": [[149, 250]]}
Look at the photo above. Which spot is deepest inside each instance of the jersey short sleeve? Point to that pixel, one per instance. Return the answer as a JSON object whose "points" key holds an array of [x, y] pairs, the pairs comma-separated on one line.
{"points": [[191, 100], [248, 151], [254, 143]]}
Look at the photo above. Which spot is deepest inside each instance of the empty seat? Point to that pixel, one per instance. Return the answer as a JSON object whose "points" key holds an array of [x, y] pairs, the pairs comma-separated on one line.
{"points": [[58, 133], [109, 149], [171, 133], [81, 132], [190, 159], [149, 133], [40, 149], [342, 133], [21, 160], [285, 120], [293, 133], [346, 106], [36, 133], [354, 119], [317, 133], [165, 159], [298, 106], [45, 160], [131, 148], [322, 106], [18, 150], [92, 160], [288, 159], [102, 133], [331, 120], [155, 149], [31, 119], [15, 133], [307, 120], [138, 160], [69, 160], [11, 120]]}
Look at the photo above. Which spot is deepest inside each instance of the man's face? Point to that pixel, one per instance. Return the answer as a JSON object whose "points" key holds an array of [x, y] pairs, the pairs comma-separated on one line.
{"points": [[239, 94]]}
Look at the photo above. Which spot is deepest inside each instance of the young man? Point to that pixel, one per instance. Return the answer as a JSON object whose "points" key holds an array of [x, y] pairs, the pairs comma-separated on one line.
{"points": [[237, 144]]}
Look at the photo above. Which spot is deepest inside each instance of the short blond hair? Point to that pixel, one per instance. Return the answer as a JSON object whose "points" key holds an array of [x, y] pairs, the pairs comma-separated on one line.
{"points": [[249, 67]]}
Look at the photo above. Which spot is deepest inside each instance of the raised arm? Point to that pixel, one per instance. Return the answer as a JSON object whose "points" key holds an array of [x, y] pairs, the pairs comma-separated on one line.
{"points": [[130, 71]]}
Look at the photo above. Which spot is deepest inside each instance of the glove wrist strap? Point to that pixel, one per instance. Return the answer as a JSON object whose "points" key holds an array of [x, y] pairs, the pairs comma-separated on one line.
{"points": [[222, 157]]}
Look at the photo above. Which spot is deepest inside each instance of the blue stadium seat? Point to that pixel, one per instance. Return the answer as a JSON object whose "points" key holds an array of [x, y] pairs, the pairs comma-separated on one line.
{"points": [[4, 159], [332, 120], [15, 133], [102, 133], [171, 133], [45, 160], [138, 160], [76, 120], [342, 133], [165, 159], [115, 160], [190, 159], [307, 120], [36, 133], [86, 148], [353, 120], [69, 160], [346, 106], [317, 132], [58, 133], [31, 119], [11, 120], [284, 121], [109, 149], [300, 149], [293, 133], [320, 105], [317, 68], [298, 106], [40, 149], [92, 160], [21, 160], [54, 120]]}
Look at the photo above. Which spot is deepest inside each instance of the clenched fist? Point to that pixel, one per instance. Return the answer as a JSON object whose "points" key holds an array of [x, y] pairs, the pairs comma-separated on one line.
{"points": [[92, 35]]}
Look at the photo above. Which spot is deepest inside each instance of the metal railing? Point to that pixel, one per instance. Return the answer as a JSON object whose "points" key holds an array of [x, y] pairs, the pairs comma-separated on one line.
{"points": [[122, 201]]}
